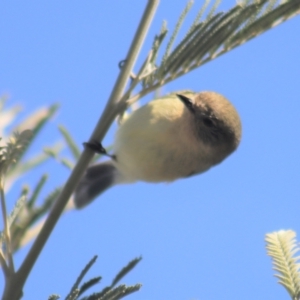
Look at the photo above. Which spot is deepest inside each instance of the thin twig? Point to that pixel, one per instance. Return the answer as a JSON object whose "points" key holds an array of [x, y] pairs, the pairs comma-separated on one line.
{"points": [[13, 289], [6, 232], [4, 265], [144, 92], [138, 77]]}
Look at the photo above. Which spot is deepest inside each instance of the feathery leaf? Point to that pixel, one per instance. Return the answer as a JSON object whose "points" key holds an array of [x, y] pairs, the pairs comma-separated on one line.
{"points": [[70, 142], [35, 123], [282, 247], [217, 34], [36, 191], [177, 27], [81, 275], [13, 150], [125, 270]]}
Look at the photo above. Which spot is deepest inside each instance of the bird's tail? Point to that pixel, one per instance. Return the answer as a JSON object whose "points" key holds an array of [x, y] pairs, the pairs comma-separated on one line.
{"points": [[95, 181]]}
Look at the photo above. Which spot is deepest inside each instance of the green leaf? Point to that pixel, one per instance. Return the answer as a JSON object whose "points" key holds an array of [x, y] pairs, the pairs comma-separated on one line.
{"points": [[14, 148], [282, 247], [70, 142], [36, 123]]}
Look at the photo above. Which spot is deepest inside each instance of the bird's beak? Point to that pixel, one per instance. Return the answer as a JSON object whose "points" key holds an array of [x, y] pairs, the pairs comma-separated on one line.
{"points": [[188, 102]]}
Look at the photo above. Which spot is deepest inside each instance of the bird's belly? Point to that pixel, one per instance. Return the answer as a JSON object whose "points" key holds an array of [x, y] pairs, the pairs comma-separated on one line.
{"points": [[158, 143], [158, 158]]}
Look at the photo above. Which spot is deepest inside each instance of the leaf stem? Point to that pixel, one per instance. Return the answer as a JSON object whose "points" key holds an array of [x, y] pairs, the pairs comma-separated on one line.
{"points": [[6, 232], [4, 265]]}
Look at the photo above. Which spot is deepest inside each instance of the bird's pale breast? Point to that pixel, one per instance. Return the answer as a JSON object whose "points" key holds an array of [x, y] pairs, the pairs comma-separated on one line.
{"points": [[157, 143]]}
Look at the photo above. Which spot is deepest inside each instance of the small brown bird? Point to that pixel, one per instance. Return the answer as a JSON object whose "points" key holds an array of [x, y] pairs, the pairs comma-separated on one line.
{"points": [[177, 136]]}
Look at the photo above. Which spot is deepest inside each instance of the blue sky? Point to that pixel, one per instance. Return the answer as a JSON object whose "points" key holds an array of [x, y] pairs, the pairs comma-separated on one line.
{"points": [[202, 237]]}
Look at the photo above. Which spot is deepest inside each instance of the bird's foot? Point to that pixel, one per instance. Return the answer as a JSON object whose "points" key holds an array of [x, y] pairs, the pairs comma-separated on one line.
{"points": [[97, 148]]}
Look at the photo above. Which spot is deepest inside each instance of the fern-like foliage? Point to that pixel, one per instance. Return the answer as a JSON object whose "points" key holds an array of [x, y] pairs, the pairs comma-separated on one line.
{"points": [[12, 151], [25, 220], [111, 292], [282, 247], [208, 38], [35, 122], [25, 225], [221, 32]]}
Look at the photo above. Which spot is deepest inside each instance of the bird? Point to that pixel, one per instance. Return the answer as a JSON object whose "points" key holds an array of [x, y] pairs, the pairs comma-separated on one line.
{"points": [[176, 136]]}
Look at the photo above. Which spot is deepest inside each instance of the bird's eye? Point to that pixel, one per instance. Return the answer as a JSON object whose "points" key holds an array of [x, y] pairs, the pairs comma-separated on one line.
{"points": [[208, 122]]}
